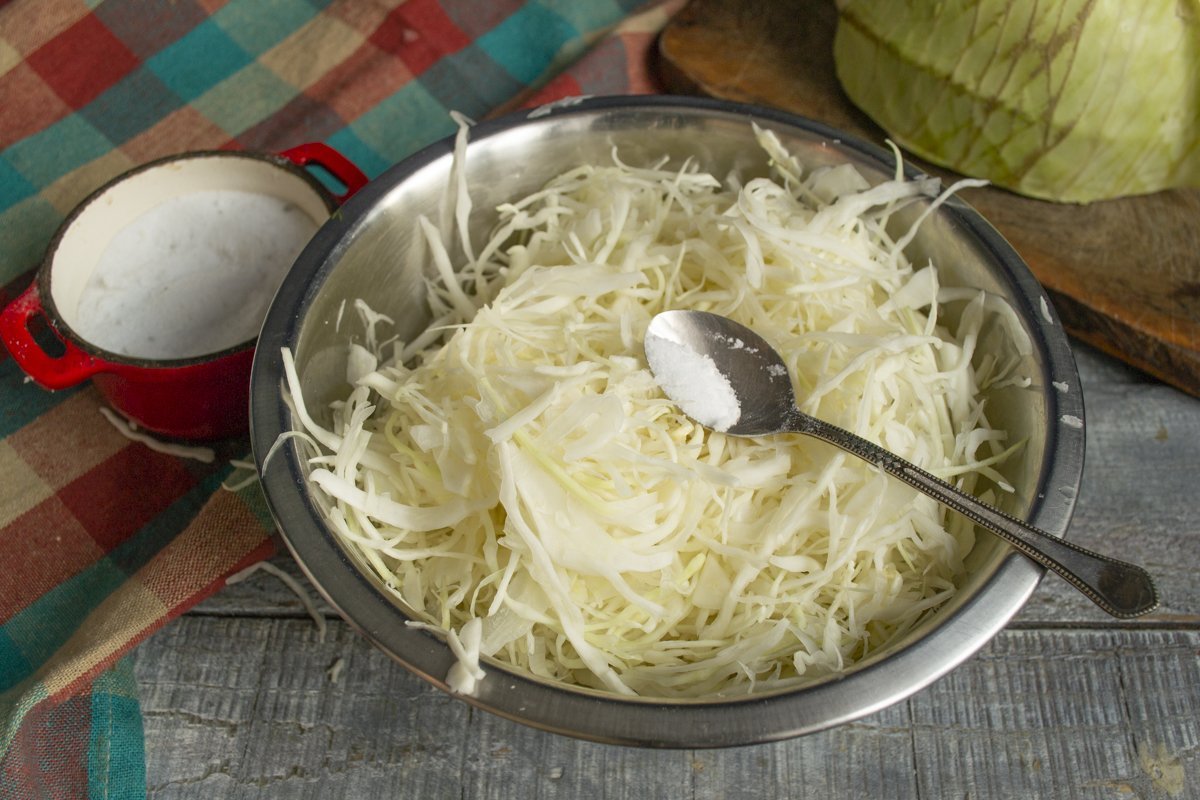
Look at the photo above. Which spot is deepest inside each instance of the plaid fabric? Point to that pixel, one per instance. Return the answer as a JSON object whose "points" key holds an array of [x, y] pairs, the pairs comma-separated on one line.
{"points": [[102, 540]]}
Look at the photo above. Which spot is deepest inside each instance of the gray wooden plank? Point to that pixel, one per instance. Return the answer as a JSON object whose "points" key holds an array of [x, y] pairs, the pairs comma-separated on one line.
{"points": [[1096, 367], [1137, 499], [1061, 714], [242, 707], [253, 712], [264, 595]]}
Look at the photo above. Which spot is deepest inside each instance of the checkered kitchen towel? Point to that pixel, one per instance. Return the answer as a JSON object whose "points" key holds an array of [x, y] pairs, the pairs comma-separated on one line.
{"points": [[102, 540]]}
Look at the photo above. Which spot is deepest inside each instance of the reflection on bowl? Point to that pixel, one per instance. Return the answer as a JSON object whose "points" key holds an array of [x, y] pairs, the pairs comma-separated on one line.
{"points": [[371, 251]]}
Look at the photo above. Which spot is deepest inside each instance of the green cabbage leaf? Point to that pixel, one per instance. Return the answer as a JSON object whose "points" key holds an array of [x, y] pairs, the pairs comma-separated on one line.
{"points": [[1072, 101]]}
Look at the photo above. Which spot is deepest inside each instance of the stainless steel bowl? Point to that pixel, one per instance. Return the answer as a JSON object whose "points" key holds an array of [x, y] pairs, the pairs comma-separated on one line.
{"points": [[369, 251]]}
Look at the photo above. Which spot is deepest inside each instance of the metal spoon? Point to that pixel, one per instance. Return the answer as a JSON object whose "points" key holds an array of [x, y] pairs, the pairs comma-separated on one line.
{"points": [[762, 385]]}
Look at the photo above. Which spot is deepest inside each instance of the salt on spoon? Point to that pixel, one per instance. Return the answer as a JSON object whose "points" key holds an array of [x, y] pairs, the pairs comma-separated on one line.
{"points": [[693, 381], [728, 378]]}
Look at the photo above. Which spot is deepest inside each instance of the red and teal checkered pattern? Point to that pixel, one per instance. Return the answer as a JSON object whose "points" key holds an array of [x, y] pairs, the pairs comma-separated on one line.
{"points": [[88, 93], [109, 760], [102, 540]]}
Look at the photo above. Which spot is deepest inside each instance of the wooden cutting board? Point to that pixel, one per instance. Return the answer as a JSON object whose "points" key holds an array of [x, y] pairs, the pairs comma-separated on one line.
{"points": [[1124, 275]]}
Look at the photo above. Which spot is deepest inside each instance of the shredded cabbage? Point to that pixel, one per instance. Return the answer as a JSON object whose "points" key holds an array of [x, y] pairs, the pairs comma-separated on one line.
{"points": [[522, 483]]}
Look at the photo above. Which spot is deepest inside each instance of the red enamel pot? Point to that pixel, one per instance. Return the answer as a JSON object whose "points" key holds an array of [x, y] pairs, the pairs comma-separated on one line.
{"points": [[147, 290]]}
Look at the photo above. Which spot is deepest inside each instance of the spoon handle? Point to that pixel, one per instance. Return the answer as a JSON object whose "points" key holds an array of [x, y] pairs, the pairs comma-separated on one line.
{"points": [[1123, 590]]}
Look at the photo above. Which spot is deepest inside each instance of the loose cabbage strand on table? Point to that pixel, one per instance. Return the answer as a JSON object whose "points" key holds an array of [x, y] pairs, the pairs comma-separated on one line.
{"points": [[525, 485]]}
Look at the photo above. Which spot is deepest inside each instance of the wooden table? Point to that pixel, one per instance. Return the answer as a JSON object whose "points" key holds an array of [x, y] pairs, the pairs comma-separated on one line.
{"points": [[241, 699]]}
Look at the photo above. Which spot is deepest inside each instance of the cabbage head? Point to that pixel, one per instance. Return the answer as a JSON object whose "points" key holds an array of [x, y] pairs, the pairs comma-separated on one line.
{"points": [[1067, 100]]}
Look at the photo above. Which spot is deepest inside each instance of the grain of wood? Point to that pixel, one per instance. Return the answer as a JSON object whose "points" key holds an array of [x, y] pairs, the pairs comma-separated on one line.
{"points": [[1137, 499], [244, 708], [1054, 714]]}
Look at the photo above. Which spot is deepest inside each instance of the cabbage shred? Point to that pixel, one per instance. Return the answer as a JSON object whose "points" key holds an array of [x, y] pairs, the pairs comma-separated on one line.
{"points": [[525, 476]]}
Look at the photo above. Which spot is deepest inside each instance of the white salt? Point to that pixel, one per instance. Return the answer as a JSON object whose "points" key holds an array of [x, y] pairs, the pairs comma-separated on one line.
{"points": [[693, 381], [192, 276]]}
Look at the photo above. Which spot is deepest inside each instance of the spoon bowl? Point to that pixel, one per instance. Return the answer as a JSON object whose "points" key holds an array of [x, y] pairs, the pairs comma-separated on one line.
{"points": [[736, 362], [701, 356]]}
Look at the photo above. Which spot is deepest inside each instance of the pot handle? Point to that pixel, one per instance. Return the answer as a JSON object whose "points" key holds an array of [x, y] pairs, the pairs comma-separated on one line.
{"points": [[73, 367], [333, 162]]}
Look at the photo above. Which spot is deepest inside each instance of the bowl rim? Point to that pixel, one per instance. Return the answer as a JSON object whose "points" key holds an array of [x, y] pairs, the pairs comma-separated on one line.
{"points": [[654, 722]]}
